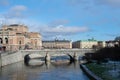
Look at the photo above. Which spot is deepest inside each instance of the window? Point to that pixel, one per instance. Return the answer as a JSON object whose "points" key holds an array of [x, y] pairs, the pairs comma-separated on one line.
{"points": [[19, 42], [6, 40], [1, 41]]}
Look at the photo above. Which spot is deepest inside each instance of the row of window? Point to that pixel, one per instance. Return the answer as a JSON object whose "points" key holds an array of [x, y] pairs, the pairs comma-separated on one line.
{"points": [[6, 40]]}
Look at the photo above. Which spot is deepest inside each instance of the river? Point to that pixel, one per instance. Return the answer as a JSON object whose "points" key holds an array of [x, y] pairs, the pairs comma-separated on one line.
{"points": [[48, 71]]}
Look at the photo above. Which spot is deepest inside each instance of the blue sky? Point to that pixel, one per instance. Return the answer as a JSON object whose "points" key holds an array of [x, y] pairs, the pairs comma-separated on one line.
{"points": [[65, 19]]}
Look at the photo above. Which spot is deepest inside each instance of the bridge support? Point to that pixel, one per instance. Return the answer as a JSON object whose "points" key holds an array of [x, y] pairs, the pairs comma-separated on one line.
{"points": [[26, 59], [0, 61], [47, 57], [75, 57]]}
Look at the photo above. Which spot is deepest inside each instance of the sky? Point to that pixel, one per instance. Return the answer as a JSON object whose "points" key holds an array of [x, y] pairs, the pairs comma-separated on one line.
{"points": [[65, 19]]}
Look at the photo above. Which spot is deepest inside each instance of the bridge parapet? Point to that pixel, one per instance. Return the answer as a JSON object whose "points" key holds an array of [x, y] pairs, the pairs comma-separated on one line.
{"points": [[52, 52], [6, 59]]}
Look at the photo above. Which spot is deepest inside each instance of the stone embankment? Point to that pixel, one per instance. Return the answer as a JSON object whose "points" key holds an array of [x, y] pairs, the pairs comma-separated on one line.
{"points": [[90, 74], [6, 59]]}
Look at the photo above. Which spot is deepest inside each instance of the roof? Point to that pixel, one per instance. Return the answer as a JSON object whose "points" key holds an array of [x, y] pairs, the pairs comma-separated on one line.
{"points": [[16, 25], [57, 41], [89, 40]]}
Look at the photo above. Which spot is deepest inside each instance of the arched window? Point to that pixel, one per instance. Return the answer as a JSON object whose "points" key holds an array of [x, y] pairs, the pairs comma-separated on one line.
{"points": [[1, 41], [20, 45], [6, 40], [19, 42]]}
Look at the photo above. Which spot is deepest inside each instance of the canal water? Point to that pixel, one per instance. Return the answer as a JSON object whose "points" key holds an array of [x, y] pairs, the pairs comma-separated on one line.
{"points": [[45, 71]]}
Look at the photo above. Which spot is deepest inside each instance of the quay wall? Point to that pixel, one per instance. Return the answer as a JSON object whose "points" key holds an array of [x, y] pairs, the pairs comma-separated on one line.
{"points": [[6, 59], [90, 74]]}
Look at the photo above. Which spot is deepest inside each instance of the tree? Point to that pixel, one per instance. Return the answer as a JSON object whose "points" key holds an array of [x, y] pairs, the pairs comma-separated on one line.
{"points": [[117, 38]]}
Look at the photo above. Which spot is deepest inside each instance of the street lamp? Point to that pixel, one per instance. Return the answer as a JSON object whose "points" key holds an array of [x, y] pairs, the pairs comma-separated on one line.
{"points": [[35, 43], [8, 41], [19, 44]]}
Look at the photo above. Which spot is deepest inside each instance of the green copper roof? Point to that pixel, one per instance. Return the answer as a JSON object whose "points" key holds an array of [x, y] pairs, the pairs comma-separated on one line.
{"points": [[89, 40]]}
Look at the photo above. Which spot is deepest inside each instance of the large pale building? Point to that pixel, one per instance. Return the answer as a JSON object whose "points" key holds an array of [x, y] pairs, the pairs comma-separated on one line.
{"points": [[15, 37], [57, 44], [85, 44]]}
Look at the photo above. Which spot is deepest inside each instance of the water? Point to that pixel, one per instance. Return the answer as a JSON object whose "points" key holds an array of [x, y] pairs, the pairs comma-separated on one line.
{"points": [[49, 71]]}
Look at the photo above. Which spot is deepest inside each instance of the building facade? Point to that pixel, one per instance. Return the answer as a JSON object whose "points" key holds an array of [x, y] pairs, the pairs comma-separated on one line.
{"points": [[85, 44], [15, 37], [101, 44], [57, 44]]}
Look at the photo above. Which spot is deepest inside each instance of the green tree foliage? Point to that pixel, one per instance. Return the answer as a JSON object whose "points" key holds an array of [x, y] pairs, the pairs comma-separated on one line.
{"points": [[117, 38], [112, 53]]}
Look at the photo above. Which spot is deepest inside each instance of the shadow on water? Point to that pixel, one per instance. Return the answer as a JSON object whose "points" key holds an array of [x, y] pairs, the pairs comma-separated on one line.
{"points": [[46, 71], [34, 62], [60, 60], [55, 61]]}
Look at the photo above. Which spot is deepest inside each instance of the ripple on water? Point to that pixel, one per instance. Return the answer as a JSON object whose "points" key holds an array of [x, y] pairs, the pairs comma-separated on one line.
{"points": [[19, 71]]}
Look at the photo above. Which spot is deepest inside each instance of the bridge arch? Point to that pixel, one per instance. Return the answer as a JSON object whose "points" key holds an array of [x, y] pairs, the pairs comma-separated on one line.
{"points": [[33, 56], [61, 57]]}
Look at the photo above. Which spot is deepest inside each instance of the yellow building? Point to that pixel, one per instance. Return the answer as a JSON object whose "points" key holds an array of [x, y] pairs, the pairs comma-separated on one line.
{"points": [[15, 37], [101, 44], [57, 44], [85, 44]]}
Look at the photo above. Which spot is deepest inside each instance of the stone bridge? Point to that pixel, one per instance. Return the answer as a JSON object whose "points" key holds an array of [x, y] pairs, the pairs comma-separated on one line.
{"points": [[9, 58], [55, 52]]}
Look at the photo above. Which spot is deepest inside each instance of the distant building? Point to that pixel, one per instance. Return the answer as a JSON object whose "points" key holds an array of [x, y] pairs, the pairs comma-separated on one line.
{"points": [[85, 43], [15, 37], [112, 43], [57, 44], [101, 44]]}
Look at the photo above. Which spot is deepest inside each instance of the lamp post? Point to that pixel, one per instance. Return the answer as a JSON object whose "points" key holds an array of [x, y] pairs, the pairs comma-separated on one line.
{"points": [[20, 45], [35, 43], [7, 42]]}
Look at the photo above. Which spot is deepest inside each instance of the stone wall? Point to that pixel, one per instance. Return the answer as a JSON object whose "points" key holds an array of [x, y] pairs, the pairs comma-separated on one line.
{"points": [[6, 59]]}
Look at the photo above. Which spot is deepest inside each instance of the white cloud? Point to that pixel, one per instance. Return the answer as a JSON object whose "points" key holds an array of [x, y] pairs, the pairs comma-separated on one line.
{"points": [[61, 31], [58, 22], [113, 3], [4, 3], [17, 11], [19, 8], [66, 29], [48, 32]]}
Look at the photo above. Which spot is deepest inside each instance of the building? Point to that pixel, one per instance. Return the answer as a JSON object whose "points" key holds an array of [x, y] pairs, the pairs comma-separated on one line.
{"points": [[101, 44], [15, 37], [90, 43], [57, 44], [112, 43]]}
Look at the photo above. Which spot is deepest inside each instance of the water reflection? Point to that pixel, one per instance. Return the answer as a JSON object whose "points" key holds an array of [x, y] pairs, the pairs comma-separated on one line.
{"points": [[46, 71]]}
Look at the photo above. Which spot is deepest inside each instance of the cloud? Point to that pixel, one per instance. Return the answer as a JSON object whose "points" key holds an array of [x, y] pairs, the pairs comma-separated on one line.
{"points": [[77, 2], [65, 29], [4, 3], [61, 31], [49, 32], [17, 11], [113, 3], [19, 8], [112, 35], [58, 22]]}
